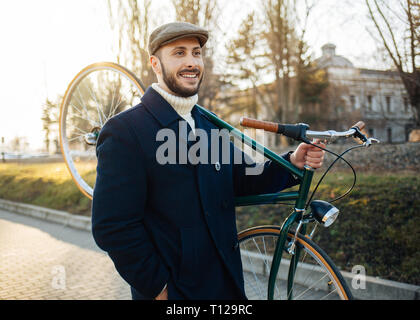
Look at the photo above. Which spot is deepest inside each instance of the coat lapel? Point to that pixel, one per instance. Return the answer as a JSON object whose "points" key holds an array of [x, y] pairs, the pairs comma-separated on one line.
{"points": [[167, 117], [164, 113]]}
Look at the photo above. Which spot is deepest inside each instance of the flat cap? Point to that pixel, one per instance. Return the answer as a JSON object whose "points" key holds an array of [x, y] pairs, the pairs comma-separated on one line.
{"points": [[170, 32]]}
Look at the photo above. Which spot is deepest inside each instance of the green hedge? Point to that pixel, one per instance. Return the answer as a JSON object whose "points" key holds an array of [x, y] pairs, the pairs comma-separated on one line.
{"points": [[378, 226]]}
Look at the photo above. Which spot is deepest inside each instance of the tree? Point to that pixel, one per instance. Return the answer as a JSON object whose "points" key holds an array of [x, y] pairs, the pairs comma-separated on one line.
{"points": [[404, 51], [285, 29], [131, 20], [203, 13], [272, 47], [312, 86], [198, 12], [332, 109], [50, 115], [19, 144], [247, 63], [281, 43]]}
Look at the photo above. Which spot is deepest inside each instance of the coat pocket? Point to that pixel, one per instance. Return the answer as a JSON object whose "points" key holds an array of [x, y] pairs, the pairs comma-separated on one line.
{"points": [[188, 266]]}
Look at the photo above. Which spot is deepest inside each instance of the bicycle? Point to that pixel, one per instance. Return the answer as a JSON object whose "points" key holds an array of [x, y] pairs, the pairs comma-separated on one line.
{"points": [[102, 90]]}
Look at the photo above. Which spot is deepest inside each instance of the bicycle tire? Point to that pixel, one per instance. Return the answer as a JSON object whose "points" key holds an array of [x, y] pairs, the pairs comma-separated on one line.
{"points": [[325, 278], [124, 80]]}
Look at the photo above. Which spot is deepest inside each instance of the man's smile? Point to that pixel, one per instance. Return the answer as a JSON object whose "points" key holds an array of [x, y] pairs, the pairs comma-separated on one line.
{"points": [[185, 75], [194, 74]]}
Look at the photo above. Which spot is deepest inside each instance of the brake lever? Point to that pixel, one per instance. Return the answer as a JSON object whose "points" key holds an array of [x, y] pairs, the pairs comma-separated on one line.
{"points": [[370, 141]]}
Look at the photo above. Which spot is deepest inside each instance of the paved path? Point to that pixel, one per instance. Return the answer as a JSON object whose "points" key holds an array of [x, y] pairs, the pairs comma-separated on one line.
{"points": [[43, 260]]}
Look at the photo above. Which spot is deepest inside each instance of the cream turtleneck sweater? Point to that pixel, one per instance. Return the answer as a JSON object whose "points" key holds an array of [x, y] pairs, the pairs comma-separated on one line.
{"points": [[182, 106]]}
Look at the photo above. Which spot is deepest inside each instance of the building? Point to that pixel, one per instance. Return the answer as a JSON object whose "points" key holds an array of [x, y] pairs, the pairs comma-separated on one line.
{"points": [[374, 96], [379, 96]]}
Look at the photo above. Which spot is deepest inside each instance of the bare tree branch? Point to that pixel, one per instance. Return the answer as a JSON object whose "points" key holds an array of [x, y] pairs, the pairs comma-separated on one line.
{"points": [[406, 65], [398, 63]]}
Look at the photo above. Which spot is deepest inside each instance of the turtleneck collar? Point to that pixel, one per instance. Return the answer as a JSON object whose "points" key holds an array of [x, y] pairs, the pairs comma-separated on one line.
{"points": [[182, 106]]}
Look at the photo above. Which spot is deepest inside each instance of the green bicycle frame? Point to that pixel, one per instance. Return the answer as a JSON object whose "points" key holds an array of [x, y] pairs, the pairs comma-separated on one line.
{"points": [[300, 197]]}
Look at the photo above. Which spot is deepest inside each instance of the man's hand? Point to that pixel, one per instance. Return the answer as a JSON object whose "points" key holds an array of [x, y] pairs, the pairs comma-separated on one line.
{"points": [[306, 154], [163, 295]]}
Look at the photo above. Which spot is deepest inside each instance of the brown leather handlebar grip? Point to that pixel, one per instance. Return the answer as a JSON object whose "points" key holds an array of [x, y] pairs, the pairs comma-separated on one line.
{"points": [[259, 124], [360, 125]]}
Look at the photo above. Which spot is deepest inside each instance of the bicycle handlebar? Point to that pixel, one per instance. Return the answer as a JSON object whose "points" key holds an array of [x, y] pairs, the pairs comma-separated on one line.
{"points": [[360, 125], [294, 131], [300, 131], [355, 130]]}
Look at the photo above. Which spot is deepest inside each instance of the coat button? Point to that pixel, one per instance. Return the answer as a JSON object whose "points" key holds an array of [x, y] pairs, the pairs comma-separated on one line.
{"points": [[217, 166]]}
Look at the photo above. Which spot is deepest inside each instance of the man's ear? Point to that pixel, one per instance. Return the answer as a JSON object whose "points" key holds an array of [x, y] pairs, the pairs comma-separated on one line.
{"points": [[155, 62]]}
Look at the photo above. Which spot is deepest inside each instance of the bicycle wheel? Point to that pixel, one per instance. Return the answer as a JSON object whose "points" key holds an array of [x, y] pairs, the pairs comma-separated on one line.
{"points": [[316, 276], [98, 92]]}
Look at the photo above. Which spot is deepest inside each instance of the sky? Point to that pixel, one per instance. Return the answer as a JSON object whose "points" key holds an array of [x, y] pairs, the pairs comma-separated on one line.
{"points": [[45, 43]]}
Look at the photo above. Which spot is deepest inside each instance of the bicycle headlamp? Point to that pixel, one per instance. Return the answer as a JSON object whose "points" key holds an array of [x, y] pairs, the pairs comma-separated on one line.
{"points": [[324, 212]]}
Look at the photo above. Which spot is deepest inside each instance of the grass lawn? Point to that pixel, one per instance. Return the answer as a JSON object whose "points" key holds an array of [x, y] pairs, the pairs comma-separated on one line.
{"points": [[44, 184], [378, 226]]}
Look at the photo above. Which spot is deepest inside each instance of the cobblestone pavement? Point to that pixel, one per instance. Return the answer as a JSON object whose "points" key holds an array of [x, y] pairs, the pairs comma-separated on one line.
{"points": [[42, 260]]}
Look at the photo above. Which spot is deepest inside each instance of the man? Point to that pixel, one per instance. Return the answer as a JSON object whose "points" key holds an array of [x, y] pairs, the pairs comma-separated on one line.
{"points": [[170, 228]]}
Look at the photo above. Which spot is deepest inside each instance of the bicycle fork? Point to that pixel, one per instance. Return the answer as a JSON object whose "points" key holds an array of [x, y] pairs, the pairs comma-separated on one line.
{"points": [[296, 215]]}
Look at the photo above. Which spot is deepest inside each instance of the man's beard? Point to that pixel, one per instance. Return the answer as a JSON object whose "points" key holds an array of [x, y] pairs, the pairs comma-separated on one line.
{"points": [[172, 83]]}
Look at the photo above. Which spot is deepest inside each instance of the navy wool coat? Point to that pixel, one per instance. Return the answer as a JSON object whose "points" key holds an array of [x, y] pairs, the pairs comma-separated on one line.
{"points": [[171, 224]]}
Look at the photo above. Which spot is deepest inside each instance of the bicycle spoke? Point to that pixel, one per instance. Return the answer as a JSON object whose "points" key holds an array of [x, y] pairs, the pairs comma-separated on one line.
{"points": [[92, 124], [296, 273], [254, 274], [98, 107], [256, 278], [120, 100], [77, 137], [112, 100], [83, 104], [78, 129], [324, 297], [111, 114], [80, 115], [311, 286], [265, 261], [313, 278]]}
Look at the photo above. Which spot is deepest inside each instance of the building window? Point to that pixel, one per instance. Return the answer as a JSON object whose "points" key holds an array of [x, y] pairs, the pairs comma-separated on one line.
{"points": [[388, 104], [353, 102], [406, 104], [369, 102], [389, 133]]}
